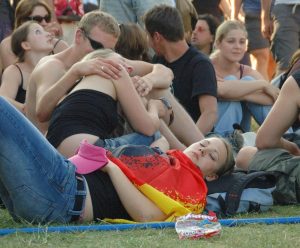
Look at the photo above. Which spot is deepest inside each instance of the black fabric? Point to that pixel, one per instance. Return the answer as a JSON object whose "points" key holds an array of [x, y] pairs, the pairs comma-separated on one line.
{"points": [[209, 7], [21, 94], [83, 111], [194, 76], [105, 200], [296, 76]]}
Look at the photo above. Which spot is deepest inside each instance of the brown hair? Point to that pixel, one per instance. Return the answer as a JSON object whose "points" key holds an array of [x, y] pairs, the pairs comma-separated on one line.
{"points": [[106, 22], [228, 166], [132, 42], [25, 8], [18, 36], [165, 20]]}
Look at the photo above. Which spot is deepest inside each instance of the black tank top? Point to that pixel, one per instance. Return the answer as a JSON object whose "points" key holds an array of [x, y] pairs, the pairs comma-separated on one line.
{"points": [[21, 94], [83, 111], [105, 200]]}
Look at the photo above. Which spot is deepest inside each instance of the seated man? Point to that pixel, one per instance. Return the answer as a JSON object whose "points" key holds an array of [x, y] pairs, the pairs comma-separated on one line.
{"points": [[194, 83]]}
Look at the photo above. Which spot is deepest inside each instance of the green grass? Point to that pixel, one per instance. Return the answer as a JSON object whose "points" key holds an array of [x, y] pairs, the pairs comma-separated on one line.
{"points": [[250, 235]]}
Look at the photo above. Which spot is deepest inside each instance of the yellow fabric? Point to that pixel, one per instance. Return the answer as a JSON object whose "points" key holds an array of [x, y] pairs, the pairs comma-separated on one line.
{"points": [[167, 205]]}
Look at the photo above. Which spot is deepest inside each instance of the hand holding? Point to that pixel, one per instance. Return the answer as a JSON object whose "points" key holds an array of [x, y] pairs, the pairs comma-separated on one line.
{"points": [[142, 85], [102, 67]]}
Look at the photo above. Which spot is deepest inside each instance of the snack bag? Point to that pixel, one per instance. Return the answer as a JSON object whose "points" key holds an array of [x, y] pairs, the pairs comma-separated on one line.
{"points": [[195, 226]]}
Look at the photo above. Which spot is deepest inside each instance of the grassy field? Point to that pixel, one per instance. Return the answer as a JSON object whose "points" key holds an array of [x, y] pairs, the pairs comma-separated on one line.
{"points": [[251, 235]]}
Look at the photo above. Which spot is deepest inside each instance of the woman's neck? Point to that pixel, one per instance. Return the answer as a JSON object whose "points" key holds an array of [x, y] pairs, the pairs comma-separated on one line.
{"points": [[31, 59], [225, 67]]}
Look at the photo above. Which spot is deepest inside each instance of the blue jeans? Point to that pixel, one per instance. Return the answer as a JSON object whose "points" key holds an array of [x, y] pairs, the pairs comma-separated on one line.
{"points": [[128, 139], [37, 184], [230, 112]]}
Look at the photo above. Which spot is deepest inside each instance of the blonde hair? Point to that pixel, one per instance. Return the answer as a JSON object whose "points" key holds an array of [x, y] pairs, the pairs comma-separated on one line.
{"points": [[102, 53], [226, 27], [104, 21]]}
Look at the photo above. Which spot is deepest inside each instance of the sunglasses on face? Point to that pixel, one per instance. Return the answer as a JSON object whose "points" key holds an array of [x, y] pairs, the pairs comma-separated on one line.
{"points": [[39, 18], [202, 29], [94, 44]]}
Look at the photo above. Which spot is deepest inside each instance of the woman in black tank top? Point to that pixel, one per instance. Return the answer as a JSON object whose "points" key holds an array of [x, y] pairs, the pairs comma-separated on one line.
{"points": [[29, 43]]}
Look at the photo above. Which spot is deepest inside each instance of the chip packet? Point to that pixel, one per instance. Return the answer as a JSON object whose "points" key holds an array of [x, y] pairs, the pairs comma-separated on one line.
{"points": [[195, 226]]}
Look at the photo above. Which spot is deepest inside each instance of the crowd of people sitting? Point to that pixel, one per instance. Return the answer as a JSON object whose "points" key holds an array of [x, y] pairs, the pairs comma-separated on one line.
{"points": [[172, 86]]}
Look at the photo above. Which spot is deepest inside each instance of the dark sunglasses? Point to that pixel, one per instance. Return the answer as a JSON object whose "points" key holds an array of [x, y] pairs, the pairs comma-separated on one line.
{"points": [[94, 44], [39, 18]]}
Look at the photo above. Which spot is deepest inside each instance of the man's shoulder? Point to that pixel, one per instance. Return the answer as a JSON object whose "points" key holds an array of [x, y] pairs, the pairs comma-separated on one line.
{"points": [[47, 71], [50, 60], [48, 66]]}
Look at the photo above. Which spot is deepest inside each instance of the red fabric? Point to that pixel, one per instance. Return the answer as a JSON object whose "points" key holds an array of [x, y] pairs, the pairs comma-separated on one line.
{"points": [[175, 176], [76, 7]]}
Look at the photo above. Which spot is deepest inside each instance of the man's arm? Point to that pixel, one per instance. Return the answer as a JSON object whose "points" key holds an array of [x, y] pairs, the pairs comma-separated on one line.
{"points": [[159, 75], [225, 7], [235, 9], [159, 78], [209, 113], [266, 20]]}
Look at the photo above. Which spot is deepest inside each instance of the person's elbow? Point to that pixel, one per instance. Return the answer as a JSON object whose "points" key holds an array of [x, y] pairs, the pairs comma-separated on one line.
{"points": [[150, 131], [166, 72], [263, 143], [42, 114]]}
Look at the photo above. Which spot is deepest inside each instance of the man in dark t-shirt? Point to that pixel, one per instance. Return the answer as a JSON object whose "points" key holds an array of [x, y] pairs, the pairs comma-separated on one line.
{"points": [[194, 84]]}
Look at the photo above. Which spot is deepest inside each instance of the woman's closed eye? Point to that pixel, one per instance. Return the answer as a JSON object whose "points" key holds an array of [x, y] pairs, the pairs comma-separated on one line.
{"points": [[214, 155], [204, 143]]}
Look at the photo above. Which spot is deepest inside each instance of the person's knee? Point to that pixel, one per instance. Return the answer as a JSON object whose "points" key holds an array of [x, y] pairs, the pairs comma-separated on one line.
{"points": [[244, 157], [230, 77]]}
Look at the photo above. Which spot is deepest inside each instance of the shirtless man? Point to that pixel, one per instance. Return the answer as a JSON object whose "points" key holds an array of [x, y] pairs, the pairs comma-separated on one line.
{"points": [[55, 75]]}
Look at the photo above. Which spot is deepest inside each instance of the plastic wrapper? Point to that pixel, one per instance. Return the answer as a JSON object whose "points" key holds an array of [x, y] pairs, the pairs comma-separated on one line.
{"points": [[195, 226]]}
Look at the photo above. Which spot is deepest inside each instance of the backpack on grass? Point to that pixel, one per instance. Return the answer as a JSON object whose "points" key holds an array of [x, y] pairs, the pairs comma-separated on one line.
{"points": [[241, 192]]}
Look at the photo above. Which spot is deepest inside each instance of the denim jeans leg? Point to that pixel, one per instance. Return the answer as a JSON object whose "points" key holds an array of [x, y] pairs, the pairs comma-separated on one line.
{"points": [[131, 139], [246, 120], [258, 111], [5, 198], [41, 183], [228, 114]]}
